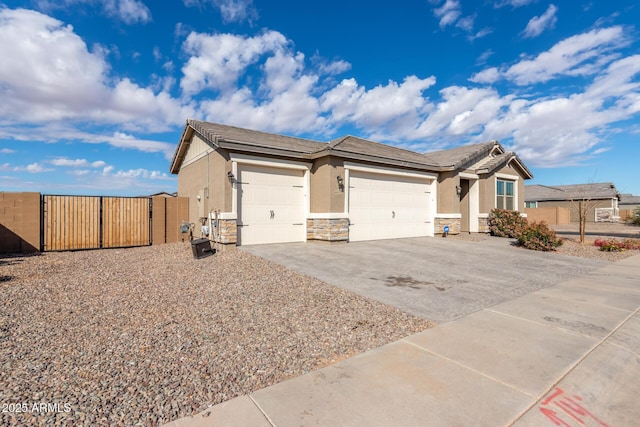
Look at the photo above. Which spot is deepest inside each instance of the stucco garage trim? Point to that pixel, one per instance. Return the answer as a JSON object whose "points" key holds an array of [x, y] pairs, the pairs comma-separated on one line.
{"points": [[417, 181]]}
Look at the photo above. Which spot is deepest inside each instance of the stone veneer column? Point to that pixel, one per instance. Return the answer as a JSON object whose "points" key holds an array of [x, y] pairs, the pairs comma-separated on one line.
{"points": [[483, 225], [329, 230], [453, 223], [227, 231]]}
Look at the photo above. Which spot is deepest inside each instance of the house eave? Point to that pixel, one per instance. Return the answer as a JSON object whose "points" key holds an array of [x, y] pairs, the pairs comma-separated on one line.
{"points": [[232, 145], [375, 159], [181, 149]]}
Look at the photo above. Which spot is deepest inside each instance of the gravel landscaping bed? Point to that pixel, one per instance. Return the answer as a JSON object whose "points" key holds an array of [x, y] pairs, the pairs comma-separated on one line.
{"points": [[570, 246], [144, 336]]}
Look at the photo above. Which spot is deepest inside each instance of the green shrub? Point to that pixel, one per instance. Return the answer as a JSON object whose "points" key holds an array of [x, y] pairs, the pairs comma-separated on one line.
{"points": [[539, 237], [505, 223], [636, 217]]}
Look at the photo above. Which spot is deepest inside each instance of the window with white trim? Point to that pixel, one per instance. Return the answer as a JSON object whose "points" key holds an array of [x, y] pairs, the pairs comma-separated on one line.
{"points": [[505, 194], [530, 204]]}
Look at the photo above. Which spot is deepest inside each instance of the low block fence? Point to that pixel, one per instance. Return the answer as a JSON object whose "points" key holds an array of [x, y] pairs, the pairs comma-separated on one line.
{"points": [[31, 222], [551, 215]]}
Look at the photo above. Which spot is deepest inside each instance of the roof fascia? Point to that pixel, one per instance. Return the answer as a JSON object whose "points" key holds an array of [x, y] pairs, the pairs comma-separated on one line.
{"points": [[376, 159], [260, 149], [181, 149]]}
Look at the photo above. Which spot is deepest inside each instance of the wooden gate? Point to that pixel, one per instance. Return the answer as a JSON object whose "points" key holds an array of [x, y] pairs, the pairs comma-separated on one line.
{"points": [[87, 222]]}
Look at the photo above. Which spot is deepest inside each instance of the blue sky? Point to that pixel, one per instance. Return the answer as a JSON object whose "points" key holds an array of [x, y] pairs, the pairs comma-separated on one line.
{"points": [[94, 94]]}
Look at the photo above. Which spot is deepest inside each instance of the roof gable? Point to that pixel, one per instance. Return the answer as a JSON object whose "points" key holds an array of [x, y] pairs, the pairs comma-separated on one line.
{"points": [[218, 135], [454, 158]]}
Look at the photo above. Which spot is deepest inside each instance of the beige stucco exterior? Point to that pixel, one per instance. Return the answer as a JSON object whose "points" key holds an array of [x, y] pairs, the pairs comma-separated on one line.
{"points": [[206, 177], [326, 196], [207, 171]]}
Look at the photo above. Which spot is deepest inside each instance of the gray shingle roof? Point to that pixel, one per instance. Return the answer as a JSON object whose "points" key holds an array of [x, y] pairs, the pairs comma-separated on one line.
{"points": [[629, 199], [600, 190], [213, 131], [455, 157], [354, 145], [348, 147]]}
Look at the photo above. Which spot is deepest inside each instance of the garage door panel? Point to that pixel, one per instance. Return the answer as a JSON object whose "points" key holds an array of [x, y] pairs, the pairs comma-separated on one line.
{"points": [[270, 205], [385, 207]]}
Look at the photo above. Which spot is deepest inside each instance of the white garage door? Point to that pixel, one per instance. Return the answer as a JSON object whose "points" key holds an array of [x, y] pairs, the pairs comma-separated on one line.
{"points": [[388, 206], [270, 205]]}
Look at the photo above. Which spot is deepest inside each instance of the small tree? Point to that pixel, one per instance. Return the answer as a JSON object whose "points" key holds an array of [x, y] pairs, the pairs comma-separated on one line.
{"points": [[582, 203]]}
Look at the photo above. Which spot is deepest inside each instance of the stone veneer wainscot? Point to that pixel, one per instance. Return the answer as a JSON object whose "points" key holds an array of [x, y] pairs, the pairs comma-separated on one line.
{"points": [[453, 223], [227, 231], [330, 230]]}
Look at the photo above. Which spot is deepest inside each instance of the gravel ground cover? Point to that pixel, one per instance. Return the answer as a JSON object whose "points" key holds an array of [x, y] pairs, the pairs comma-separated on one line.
{"points": [[143, 336], [570, 246]]}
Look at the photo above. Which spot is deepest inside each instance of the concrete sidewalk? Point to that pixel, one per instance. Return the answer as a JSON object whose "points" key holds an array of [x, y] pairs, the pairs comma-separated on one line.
{"points": [[567, 355]]}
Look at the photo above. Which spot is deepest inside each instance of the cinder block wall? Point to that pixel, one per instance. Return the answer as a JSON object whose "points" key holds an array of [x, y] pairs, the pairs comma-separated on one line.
{"points": [[19, 222], [550, 215]]}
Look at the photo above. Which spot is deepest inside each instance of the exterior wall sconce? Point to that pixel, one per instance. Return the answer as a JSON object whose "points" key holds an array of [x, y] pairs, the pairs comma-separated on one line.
{"points": [[458, 190], [340, 183], [231, 177]]}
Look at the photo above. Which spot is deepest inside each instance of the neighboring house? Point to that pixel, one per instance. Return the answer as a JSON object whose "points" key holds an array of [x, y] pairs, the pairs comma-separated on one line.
{"points": [[629, 202], [164, 194], [266, 188], [601, 199]]}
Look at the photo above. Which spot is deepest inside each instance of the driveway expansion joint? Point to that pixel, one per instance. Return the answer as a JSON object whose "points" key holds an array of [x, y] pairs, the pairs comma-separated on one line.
{"points": [[269, 420], [575, 364]]}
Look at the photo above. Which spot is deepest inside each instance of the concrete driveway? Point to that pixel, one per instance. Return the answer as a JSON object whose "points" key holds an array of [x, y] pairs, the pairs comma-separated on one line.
{"points": [[439, 279]]}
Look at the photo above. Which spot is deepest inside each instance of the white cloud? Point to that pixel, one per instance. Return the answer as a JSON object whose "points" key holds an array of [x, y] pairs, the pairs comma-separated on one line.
{"points": [[462, 111], [141, 173], [56, 133], [466, 23], [32, 168], [7, 151], [512, 3], [566, 130], [48, 75], [333, 67], [76, 163], [80, 172], [538, 24], [583, 54], [448, 13], [580, 55], [488, 75], [379, 106], [482, 33], [231, 10], [128, 11], [217, 61]]}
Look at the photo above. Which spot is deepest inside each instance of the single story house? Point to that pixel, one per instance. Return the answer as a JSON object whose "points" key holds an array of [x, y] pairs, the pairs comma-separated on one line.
{"points": [[629, 201], [257, 187], [600, 199]]}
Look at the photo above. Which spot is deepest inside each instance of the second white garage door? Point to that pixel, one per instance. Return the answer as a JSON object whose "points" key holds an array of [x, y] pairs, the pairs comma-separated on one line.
{"points": [[388, 206], [270, 205]]}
